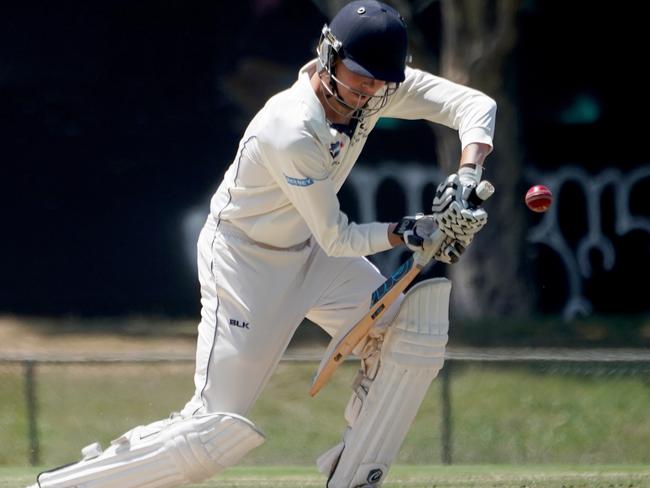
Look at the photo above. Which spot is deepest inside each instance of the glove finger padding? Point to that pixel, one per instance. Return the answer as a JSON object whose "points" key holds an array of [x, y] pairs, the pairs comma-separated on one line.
{"points": [[451, 250], [452, 212], [447, 192]]}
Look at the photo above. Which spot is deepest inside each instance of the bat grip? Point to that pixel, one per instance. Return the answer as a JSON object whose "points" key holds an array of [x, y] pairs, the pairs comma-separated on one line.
{"points": [[480, 193]]}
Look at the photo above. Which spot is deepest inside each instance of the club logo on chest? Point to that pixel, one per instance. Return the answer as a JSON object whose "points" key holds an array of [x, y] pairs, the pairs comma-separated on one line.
{"points": [[335, 151]]}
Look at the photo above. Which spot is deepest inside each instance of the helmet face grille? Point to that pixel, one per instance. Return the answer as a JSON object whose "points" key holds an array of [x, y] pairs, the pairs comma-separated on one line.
{"points": [[373, 104], [327, 56]]}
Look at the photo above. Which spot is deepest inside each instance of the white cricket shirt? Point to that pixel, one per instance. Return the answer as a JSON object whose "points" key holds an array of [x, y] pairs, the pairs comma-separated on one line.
{"points": [[282, 186]]}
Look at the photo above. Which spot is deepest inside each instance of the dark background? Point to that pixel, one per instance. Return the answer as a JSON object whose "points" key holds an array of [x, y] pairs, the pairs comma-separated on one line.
{"points": [[117, 117]]}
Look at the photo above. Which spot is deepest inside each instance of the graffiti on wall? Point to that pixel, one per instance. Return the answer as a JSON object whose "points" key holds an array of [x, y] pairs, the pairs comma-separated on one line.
{"points": [[576, 258], [414, 178]]}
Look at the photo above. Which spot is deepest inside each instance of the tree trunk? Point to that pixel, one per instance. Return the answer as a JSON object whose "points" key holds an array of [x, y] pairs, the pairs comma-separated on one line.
{"points": [[478, 37]]}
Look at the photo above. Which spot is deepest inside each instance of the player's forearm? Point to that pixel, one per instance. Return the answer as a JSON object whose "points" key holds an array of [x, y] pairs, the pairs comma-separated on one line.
{"points": [[475, 153], [393, 238]]}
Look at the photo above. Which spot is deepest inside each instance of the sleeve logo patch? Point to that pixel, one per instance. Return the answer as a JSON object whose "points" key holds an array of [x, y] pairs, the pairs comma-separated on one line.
{"points": [[299, 181]]}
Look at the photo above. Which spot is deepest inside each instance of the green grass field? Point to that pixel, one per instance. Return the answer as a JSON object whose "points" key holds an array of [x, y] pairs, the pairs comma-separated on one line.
{"points": [[513, 414], [421, 476]]}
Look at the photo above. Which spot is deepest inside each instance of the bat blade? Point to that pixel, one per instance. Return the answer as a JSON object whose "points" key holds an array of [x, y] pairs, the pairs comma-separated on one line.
{"points": [[382, 298]]}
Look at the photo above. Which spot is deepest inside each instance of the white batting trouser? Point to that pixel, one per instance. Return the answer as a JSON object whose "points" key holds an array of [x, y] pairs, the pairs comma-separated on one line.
{"points": [[253, 298]]}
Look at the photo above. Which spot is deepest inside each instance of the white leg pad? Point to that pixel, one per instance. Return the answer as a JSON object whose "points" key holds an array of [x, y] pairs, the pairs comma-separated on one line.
{"points": [[163, 454], [382, 409]]}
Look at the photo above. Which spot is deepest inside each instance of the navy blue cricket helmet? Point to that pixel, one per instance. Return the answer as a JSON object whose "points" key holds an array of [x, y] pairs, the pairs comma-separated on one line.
{"points": [[370, 38]]}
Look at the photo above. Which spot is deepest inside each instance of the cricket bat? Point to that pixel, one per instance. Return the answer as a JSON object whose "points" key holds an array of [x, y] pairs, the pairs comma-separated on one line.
{"points": [[384, 296]]}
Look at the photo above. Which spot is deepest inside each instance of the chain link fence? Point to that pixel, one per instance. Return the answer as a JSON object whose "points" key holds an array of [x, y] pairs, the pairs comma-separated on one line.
{"points": [[496, 406]]}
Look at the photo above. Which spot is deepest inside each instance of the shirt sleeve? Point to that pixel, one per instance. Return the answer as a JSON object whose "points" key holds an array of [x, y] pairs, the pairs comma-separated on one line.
{"points": [[426, 96], [300, 171]]}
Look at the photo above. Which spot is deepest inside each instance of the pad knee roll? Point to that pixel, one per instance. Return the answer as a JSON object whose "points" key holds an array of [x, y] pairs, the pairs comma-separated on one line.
{"points": [[411, 356]]}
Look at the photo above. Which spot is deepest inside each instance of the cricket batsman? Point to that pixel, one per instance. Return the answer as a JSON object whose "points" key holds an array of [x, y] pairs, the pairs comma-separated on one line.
{"points": [[276, 248]]}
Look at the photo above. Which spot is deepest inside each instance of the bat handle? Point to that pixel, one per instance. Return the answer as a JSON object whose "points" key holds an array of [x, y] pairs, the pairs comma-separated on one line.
{"points": [[422, 258], [480, 193]]}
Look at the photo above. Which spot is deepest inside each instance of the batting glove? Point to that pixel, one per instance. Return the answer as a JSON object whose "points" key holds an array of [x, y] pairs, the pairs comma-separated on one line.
{"points": [[453, 213], [416, 231], [450, 251]]}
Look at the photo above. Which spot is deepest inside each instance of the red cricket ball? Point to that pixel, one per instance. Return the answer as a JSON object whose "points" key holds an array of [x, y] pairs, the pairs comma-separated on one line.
{"points": [[539, 198]]}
